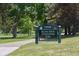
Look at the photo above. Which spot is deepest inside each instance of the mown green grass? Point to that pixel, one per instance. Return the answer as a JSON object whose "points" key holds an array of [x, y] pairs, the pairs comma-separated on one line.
{"points": [[6, 38], [68, 47]]}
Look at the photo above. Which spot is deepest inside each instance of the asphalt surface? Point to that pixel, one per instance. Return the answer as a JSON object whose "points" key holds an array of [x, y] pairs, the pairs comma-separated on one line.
{"points": [[7, 48]]}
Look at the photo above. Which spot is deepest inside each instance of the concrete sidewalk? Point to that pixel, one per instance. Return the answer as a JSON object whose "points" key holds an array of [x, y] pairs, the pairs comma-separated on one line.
{"points": [[7, 48]]}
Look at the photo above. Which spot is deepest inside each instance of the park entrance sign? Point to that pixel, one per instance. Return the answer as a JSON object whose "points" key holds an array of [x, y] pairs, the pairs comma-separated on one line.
{"points": [[48, 31]]}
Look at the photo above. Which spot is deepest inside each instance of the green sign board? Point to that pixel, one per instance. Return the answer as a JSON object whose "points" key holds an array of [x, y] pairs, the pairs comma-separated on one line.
{"points": [[48, 31]]}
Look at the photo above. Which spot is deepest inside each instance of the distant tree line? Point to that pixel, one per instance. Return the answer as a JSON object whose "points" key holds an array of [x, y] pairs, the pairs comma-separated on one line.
{"points": [[67, 15], [21, 17]]}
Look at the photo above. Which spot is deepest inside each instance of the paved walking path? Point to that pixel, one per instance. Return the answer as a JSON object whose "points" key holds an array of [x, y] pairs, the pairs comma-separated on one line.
{"points": [[7, 48]]}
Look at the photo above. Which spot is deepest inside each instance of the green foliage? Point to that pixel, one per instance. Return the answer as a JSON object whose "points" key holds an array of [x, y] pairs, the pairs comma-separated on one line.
{"points": [[26, 25], [25, 15], [40, 13]]}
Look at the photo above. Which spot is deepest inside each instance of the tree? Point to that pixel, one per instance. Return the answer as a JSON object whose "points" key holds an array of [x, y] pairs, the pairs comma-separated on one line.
{"points": [[4, 8], [66, 16], [40, 13], [26, 25]]}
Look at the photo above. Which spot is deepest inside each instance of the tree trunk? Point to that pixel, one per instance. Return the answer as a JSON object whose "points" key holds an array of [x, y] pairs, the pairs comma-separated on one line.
{"points": [[45, 21], [69, 30], [4, 23], [66, 30], [74, 30], [29, 32], [14, 30]]}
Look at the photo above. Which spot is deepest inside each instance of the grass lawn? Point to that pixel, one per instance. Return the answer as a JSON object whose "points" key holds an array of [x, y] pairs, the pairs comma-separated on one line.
{"points": [[6, 38], [68, 46]]}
